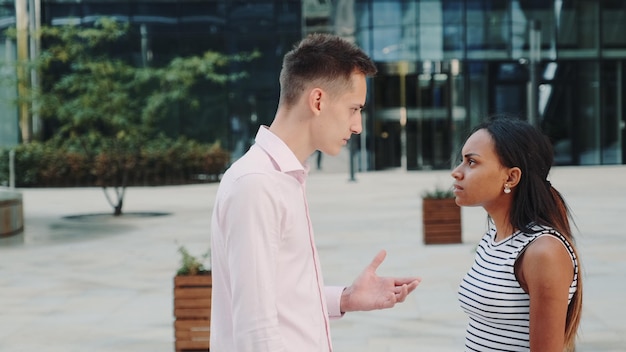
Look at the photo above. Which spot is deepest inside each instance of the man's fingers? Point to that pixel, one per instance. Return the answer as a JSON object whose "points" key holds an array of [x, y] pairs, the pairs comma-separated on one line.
{"points": [[403, 293], [406, 286], [378, 259], [411, 281], [414, 284]]}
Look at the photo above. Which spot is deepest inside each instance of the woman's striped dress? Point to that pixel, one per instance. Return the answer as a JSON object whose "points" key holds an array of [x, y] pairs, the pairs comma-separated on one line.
{"points": [[497, 306]]}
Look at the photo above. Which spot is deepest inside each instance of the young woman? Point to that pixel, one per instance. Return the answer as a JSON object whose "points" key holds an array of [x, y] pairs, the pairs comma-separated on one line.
{"points": [[524, 291]]}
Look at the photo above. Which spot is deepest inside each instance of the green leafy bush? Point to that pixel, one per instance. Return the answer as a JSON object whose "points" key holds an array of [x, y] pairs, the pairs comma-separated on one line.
{"points": [[191, 265], [438, 193], [161, 161]]}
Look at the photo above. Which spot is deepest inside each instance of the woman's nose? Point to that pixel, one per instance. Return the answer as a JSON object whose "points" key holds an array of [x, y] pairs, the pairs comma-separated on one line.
{"points": [[456, 174]]}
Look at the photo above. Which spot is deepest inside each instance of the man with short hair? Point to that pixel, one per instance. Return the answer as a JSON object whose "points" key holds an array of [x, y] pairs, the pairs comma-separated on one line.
{"points": [[268, 290]]}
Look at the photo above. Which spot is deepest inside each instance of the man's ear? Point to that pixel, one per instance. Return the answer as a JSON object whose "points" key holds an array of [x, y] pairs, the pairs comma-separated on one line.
{"points": [[315, 100], [514, 176]]}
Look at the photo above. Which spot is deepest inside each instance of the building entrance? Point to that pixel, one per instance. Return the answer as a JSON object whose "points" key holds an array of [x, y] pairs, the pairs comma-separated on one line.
{"points": [[415, 105]]}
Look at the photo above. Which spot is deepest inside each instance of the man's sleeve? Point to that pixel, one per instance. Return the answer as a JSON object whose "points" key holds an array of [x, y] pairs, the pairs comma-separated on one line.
{"points": [[333, 301], [252, 232]]}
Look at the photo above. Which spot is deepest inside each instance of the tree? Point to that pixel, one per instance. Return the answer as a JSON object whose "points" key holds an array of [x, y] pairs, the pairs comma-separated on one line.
{"points": [[107, 104]]}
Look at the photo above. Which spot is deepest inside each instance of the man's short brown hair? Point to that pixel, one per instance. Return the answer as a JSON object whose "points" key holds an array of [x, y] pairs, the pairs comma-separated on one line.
{"points": [[323, 59]]}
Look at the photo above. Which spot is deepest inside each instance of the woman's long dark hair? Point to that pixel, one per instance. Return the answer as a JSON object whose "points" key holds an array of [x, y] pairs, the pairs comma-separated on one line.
{"points": [[536, 201]]}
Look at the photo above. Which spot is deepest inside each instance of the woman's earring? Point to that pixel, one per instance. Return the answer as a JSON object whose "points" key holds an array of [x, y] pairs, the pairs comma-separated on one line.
{"points": [[507, 189]]}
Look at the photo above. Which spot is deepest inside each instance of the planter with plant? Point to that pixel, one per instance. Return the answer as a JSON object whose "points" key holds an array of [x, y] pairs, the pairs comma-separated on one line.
{"points": [[441, 217], [192, 303]]}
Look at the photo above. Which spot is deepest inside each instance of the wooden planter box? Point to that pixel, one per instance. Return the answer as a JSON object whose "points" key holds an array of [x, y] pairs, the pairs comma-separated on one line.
{"points": [[442, 221], [11, 213], [192, 310]]}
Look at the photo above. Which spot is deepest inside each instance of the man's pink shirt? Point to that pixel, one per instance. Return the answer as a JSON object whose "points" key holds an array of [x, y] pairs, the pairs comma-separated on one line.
{"points": [[268, 290]]}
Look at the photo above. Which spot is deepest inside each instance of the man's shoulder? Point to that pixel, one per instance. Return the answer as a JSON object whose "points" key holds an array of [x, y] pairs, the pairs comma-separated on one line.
{"points": [[255, 167], [254, 161]]}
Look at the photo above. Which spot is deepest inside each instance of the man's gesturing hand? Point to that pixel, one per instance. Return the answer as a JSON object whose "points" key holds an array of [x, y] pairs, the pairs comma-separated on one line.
{"points": [[370, 291]]}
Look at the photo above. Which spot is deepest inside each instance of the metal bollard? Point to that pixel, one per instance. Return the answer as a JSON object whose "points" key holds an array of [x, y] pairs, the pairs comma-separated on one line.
{"points": [[12, 168]]}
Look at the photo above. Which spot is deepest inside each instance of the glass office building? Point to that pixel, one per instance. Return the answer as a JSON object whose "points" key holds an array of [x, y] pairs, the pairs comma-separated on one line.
{"points": [[444, 66], [9, 128], [164, 29], [448, 64]]}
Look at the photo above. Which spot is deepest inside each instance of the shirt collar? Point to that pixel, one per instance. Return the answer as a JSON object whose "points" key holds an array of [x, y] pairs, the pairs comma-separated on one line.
{"points": [[284, 159]]}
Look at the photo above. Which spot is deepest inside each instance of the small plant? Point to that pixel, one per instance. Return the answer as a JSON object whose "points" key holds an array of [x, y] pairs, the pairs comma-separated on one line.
{"points": [[438, 193], [191, 265]]}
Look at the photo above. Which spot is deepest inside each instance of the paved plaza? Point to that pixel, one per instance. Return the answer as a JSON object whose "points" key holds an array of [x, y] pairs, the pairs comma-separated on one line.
{"points": [[97, 283]]}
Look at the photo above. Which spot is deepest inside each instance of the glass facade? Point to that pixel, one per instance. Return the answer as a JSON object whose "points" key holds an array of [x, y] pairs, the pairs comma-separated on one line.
{"points": [[444, 66], [9, 125], [163, 30]]}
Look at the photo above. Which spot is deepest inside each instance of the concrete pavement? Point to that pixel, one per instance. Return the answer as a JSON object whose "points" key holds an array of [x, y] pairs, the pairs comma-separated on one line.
{"points": [[102, 284]]}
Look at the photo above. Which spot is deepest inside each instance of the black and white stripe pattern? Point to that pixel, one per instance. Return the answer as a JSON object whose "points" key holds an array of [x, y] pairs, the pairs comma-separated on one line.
{"points": [[497, 306]]}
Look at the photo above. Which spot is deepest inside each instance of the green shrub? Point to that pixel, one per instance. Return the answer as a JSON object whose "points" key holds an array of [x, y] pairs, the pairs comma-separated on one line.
{"points": [[191, 265], [438, 193], [114, 163]]}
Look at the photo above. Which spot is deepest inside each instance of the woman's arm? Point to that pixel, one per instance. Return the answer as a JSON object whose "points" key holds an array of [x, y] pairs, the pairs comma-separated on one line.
{"points": [[545, 271]]}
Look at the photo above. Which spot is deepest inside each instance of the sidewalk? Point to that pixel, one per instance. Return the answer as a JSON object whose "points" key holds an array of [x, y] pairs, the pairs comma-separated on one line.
{"points": [[103, 284]]}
